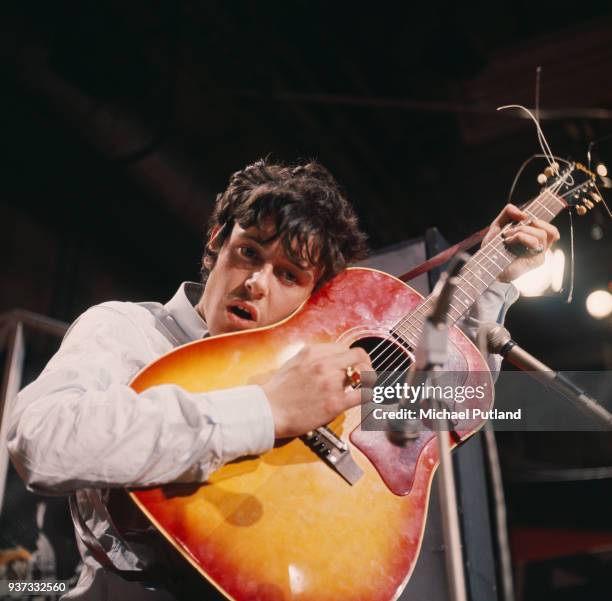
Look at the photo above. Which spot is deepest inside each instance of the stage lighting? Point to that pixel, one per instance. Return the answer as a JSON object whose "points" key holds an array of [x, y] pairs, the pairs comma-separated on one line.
{"points": [[548, 275], [599, 304], [558, 268]]}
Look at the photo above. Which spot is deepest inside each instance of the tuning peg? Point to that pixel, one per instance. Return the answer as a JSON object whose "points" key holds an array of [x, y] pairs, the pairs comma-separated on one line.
{"points": [[548, 171], [542, 179], [589, 204], [555, 167], [595, 196], [581, 210]]}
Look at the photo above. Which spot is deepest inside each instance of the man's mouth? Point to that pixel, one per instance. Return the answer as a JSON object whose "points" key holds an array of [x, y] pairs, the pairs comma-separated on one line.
{"points": [[244, 312]]}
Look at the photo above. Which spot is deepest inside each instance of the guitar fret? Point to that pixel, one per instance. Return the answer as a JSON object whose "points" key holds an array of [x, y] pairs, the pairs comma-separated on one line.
{"points": [[458, 299], [501, 253], [494, 262], [546, 209], [476, 276], [483, 267], [555, 198], [460, 289], [451, 306]]}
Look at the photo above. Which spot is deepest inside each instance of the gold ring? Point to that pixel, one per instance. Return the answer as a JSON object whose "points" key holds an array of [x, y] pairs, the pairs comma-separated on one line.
{"points": [[353, 376], [536, 251]]}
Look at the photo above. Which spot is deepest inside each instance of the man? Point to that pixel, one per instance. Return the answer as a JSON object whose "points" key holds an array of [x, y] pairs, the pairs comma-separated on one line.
{"points": [[276, 234]]}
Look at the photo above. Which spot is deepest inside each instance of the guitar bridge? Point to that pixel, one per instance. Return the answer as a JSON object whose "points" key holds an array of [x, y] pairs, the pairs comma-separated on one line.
{"points": [[334, 452]]}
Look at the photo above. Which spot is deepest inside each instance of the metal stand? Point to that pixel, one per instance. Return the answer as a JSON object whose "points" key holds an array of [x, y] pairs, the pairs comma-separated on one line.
{"points": [[433, 359], [431, 356]]}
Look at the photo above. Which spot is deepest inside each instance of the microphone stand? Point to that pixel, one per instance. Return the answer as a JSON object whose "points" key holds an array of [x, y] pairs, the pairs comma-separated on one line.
{"points": [[499, 341], [565, 387], [431, 355]]}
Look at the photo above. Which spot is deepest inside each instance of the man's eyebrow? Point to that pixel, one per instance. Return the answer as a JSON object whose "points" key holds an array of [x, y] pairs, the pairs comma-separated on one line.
{"points": [[305, 267], [255, 238], [261, 241]]}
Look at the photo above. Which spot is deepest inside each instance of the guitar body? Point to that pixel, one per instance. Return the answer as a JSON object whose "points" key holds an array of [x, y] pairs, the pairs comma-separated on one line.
{"points": [[285, 525]]}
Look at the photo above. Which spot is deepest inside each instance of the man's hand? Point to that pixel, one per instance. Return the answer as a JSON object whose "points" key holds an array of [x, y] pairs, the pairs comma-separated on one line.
{"points": [[310, 390], [533, 239]]}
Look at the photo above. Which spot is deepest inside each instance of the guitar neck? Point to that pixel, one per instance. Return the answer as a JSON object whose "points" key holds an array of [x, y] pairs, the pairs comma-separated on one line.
{"points": [[479, 272]]}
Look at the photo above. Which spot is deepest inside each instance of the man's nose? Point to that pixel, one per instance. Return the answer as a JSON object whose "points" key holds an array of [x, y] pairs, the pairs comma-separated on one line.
{"points": [[258, 283]]}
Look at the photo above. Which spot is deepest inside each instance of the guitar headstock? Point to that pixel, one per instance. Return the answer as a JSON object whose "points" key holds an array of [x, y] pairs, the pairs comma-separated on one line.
{"points": [[576, 185]]}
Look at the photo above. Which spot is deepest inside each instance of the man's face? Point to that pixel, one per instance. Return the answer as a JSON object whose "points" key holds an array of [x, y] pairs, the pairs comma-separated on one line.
{"points": [[253, 284]]}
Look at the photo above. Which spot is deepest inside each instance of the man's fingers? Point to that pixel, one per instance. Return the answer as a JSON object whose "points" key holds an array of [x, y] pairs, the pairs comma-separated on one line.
{"points": [[356, 397], [528, 240], [314, 352], [540, 234], [552, 232], [510, 213], [355, 357], [368, 378], [537, 225], [324, 349]]}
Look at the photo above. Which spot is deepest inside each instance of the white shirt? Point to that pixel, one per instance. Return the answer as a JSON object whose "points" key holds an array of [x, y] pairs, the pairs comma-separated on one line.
{"points": [[80, 426]]}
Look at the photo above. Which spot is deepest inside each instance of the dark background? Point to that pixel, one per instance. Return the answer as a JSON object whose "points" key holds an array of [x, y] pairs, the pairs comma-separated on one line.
{"points": [[121, 121]]}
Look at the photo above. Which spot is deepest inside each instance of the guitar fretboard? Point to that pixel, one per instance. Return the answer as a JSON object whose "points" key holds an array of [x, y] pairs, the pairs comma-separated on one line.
{"points": [[478, 273]]}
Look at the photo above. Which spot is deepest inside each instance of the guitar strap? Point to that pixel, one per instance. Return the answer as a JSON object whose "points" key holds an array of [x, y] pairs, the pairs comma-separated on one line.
{"points": [[444, 256]]}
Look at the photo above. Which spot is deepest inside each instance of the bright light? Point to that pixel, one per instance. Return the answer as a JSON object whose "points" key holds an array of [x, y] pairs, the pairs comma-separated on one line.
{"points": [[540, 279], [558, 267], [599, 304]]}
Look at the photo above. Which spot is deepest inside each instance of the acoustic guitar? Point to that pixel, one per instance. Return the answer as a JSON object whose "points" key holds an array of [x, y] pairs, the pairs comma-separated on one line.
{"points": [[338, 513]]}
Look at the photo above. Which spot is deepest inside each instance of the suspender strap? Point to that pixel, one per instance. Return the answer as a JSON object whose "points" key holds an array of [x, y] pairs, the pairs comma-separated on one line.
{"points": [[87, 536]]}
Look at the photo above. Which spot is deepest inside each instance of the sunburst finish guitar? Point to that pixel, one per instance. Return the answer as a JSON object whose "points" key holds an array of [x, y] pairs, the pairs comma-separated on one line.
{"points": [[338, 514]]}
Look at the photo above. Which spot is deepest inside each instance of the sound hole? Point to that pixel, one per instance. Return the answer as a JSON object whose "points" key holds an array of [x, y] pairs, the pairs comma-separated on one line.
{"points": [[389, 358]]}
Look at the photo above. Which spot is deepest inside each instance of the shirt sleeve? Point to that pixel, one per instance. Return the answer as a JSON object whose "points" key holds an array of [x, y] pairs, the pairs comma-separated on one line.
{"points": [[80, 425], [492, 306]]}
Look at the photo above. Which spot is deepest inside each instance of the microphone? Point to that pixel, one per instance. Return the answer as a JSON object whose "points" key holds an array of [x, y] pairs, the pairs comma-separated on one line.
{"points": [[499, 341], [431, 351]]}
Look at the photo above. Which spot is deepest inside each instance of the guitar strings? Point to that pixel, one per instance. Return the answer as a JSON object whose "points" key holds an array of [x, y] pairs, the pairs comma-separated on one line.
{"points": [[414, 318], [398, 358], [394, 359], [402, 356], [541, 138], [423, 305], [535, 206], [524, 165], [415, 314]]}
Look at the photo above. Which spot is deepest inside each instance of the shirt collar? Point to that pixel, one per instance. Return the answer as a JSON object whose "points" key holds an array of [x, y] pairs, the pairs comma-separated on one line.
{"points": [[182, 308]]}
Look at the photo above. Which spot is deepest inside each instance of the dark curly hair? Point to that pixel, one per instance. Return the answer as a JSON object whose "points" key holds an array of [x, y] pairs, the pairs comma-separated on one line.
{"points": [[304, 202]]}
